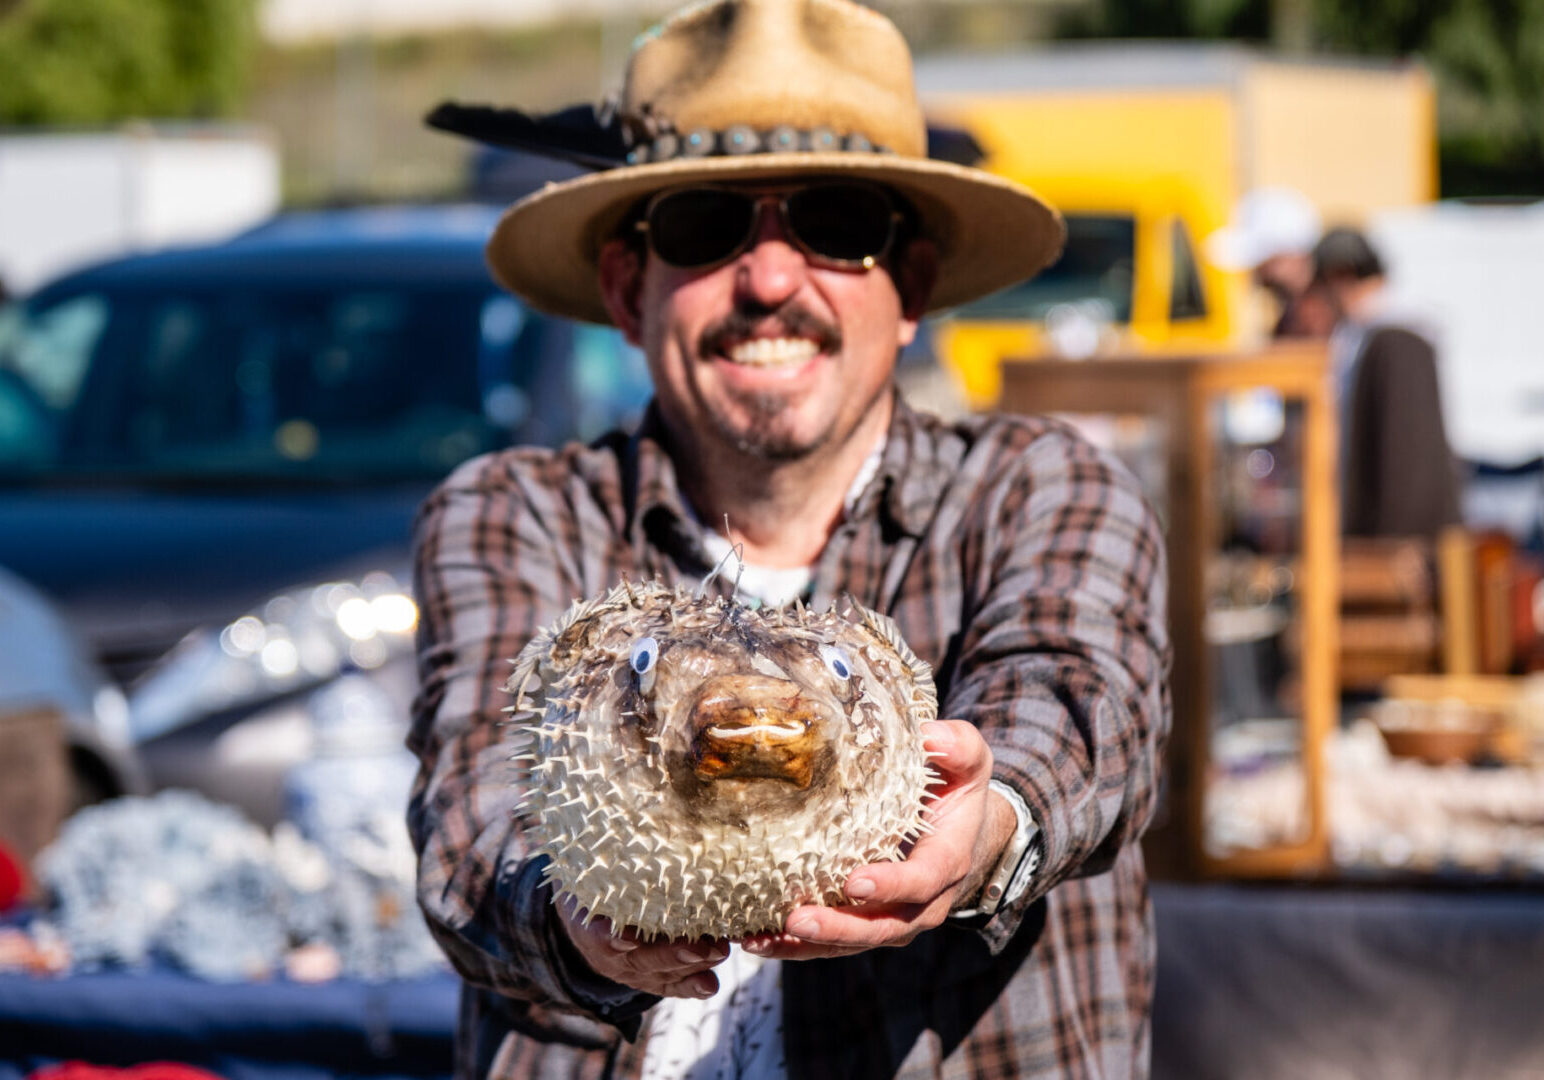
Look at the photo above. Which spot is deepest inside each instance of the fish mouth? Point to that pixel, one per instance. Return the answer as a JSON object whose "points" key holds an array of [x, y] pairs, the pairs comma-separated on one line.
{"points": [[755, 727]]}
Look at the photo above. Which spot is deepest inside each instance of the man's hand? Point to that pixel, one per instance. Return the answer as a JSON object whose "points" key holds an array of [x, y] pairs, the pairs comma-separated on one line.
{"points": [[899, 900], [668, 968]]}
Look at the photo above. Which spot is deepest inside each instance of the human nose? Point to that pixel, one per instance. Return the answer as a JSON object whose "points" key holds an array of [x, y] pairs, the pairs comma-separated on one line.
{"points": [[772, 268]]}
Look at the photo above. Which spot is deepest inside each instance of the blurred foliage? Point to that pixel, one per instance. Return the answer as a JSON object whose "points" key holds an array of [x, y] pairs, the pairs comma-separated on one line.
{"points": [[349, 114], [1247, 19], [101, 61], [1487, 57], [977, 24]]}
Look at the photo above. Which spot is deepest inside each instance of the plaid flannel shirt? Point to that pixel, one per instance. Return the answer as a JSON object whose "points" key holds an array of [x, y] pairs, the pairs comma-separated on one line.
{"points": [[1018, 560]]}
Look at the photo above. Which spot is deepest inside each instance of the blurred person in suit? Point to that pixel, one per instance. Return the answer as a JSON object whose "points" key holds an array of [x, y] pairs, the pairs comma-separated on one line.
{"points": [[1398, 473]]}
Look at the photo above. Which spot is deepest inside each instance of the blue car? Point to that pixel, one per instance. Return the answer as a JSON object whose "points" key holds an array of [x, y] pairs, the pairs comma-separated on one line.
{"points": [[210, 459]]}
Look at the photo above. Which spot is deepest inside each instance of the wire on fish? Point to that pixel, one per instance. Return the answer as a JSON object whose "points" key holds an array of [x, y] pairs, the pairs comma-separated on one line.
{"points": [[737, 550]]}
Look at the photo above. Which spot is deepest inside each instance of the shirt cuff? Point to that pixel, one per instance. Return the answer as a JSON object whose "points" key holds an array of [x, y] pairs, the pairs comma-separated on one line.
{"points": [[568, 978]]}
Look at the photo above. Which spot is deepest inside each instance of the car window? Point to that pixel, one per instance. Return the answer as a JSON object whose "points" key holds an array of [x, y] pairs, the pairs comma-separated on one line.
{"points": [[321, 382], [50, 349], [43, 360], [1096, 264]]}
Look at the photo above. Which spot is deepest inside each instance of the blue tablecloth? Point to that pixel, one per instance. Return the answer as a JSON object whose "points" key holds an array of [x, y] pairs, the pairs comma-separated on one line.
{"points": [[243, 1031], [1274, 983], [1254, 983]]}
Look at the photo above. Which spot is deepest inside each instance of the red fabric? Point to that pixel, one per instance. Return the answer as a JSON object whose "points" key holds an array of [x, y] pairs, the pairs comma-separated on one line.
{"points": [[12, 878], [153, 1070]]}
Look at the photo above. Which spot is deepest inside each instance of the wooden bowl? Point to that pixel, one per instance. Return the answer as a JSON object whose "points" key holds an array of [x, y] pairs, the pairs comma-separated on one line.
{"points": [[1437, 733], [1437, 746]]}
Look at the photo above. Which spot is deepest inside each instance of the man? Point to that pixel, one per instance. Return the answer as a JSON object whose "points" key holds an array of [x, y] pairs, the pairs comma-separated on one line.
{"points": [[1271, 236], [1399, 477], [771, 249]]}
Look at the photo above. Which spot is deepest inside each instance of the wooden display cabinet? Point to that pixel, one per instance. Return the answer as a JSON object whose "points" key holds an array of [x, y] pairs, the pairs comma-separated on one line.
{"points": [[1186, 398]]}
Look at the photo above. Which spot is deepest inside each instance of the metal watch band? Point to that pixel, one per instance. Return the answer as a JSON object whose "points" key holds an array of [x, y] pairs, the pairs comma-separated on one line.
{"points": [[1016, 868]]}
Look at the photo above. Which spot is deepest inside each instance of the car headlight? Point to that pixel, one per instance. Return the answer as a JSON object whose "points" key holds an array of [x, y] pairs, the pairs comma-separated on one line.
{"points": [[293, 642]]}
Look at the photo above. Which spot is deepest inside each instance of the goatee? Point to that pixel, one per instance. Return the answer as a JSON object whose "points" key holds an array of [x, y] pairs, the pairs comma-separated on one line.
{"points": [[761, 437]]}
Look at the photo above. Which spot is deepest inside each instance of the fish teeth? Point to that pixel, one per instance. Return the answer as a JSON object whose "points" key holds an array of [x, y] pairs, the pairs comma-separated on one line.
{"points": [[773, 352]]}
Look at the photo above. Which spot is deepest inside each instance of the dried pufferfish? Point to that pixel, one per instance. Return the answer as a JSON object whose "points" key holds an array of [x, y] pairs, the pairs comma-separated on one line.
{"points": [[695, 767]]}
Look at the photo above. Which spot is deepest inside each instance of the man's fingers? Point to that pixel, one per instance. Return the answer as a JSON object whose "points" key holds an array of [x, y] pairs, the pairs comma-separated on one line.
{"points": [[934, 866], [702, 985], [782, 947], [863, 927], [672, 968], [667, 956], [602, 934], [673, 962], [597, 932], [940, 859], [956, 750]]}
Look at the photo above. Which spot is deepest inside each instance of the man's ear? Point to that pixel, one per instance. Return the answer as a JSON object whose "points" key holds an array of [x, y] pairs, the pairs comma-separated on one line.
{"points": [[915, 272], [621, 280]]}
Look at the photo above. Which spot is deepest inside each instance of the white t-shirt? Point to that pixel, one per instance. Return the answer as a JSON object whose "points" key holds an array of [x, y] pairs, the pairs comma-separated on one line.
{"points": [[737, 1034]]}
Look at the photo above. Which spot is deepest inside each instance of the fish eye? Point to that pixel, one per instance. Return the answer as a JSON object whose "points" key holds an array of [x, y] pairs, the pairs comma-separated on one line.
{"points": [[837, 661], [645, 654]]}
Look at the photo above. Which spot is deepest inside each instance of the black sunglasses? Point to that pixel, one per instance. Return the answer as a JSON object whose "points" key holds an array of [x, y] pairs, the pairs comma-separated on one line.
{"points": [[839, 223]]}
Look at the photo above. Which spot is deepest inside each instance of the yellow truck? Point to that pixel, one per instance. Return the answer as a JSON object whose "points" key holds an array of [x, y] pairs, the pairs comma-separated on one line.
{"points": [[1145, 149]]}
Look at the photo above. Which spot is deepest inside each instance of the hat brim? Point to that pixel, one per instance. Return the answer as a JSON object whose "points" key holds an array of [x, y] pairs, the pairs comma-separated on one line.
{"points": [[991, 232]]}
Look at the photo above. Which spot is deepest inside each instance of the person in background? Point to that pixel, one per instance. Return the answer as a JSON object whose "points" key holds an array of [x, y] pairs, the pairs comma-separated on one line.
{"points": [[1398, 474], [1271, 236], [772, 244]]}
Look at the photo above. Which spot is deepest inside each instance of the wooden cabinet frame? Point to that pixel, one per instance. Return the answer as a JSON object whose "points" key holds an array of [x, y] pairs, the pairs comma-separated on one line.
{"points": [[1179, 393]]}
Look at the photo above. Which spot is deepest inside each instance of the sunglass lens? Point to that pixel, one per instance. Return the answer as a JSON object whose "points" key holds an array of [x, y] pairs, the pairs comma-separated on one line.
{"points": [[844, 222], [700, 226]]}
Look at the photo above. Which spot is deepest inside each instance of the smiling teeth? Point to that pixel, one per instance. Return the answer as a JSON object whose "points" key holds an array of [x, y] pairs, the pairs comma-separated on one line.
{"points": [[773, 352]]}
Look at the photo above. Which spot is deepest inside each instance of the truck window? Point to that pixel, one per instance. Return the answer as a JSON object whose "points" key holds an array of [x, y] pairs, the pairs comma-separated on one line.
{"points": [[1096, 264], [1186, 300]]}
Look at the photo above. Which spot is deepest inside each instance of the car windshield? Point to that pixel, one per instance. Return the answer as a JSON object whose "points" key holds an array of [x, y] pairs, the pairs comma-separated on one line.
{"points": [[320, 383], [1096, 264]]}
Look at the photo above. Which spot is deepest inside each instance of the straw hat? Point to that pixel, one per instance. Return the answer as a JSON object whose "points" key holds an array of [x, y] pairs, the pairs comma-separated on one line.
{"points": [[745, 90]]}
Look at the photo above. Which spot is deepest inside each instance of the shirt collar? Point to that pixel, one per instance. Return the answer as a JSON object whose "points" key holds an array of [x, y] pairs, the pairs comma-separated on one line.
{"points": [[912, 474], [651, 472], [656, 510]]}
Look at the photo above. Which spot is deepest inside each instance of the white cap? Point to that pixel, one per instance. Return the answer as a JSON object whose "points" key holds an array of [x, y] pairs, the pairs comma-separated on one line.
{"points": [[1267, 222]]}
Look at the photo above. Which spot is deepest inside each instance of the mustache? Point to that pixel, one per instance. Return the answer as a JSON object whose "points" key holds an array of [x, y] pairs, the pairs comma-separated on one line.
{"points": [[788, 319]]}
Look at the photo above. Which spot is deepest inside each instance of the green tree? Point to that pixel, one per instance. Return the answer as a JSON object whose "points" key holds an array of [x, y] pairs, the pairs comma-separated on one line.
{"points": [[1247, 20], [99, 61], [1488, 56]]}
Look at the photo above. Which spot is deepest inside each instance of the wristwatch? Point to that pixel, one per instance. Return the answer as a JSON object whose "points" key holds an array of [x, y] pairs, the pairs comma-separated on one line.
{"points": [[1020, 859]]}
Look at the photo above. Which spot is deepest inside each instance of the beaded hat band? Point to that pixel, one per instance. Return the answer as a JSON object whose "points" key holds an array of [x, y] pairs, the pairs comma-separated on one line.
{"points": [[744, 139]]}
